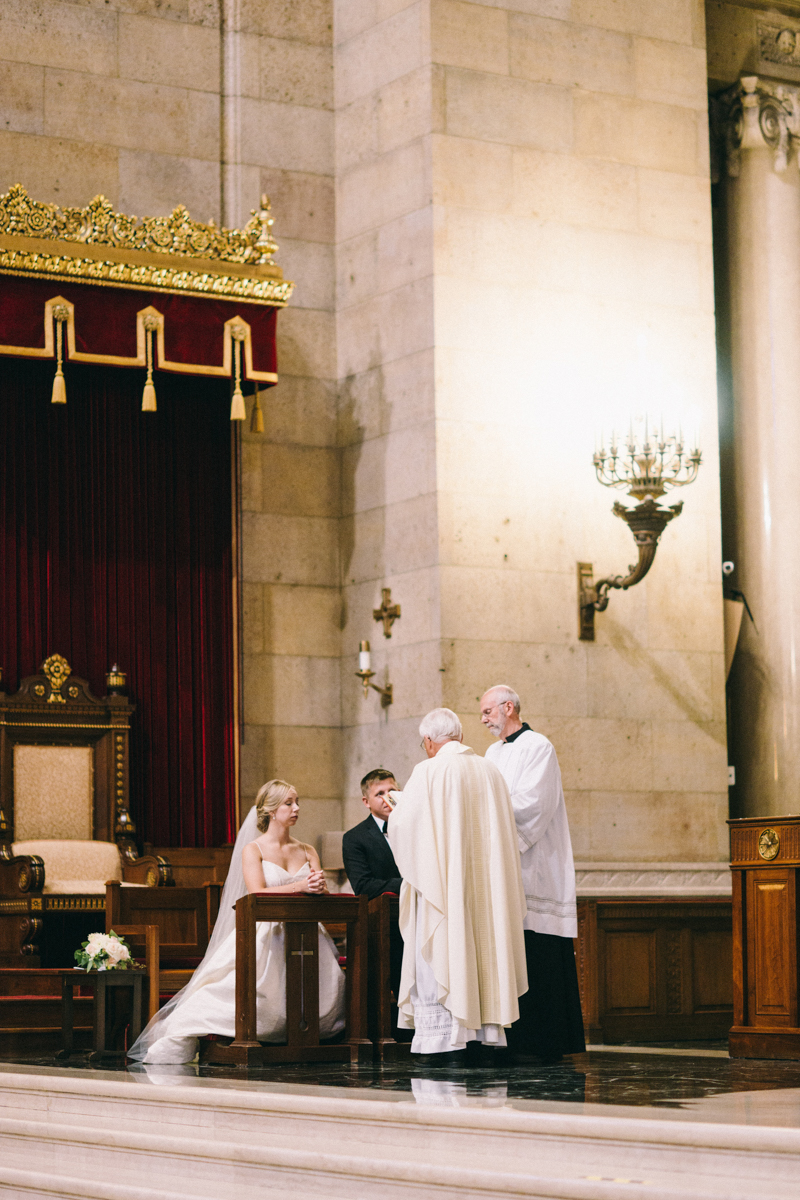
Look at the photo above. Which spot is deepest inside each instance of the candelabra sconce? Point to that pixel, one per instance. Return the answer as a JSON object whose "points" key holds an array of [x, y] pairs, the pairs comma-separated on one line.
{"points": [[647, 469], [388, 612], [366, 674]]}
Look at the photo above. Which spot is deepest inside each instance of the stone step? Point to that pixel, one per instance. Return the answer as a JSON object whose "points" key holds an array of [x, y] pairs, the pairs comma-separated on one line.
{"points": [[185, 1168], [201, 1140]]}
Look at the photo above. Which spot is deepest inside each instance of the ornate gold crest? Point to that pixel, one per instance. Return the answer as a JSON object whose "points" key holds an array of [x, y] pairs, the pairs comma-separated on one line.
{"points": [[769, 843], [57, 670]]}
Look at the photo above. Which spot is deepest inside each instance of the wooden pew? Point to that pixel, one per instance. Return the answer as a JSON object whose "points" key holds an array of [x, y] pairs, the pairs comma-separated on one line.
{"points": [[301, 916]]}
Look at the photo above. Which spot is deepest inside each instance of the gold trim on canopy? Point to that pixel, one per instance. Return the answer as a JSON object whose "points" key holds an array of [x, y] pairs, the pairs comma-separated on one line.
{"points": [[172, 254], [234, 326]]}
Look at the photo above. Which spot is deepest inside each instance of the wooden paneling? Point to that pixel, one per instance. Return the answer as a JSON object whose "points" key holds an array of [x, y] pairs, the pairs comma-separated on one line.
{"points": [[630, 971], [712, 970], [194, 866], [772, 998], [765, 964], [655, 969]]}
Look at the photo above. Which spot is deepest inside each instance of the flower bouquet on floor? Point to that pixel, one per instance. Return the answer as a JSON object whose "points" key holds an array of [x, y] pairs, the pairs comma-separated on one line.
{"points": [[104, 952]]}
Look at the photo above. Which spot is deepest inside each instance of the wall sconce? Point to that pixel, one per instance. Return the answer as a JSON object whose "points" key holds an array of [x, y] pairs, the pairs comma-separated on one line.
{"points": [[388, 612], [365, 674], [647, 469]]}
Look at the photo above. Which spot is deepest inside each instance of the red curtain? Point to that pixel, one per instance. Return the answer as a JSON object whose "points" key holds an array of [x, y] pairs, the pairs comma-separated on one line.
{"points": [[115, 546]]}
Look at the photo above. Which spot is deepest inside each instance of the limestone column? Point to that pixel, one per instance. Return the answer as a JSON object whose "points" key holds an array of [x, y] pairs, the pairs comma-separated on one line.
{"points": [[763, 230]]}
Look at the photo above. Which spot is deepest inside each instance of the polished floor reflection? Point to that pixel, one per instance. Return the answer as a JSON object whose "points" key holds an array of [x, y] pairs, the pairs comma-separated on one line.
{"points": [[678, 1078]]}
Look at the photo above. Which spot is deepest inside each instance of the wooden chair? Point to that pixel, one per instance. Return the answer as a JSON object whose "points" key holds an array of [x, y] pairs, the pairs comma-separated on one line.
{"points": [[301, 916], [385, 959], [65, 827], [183, 916]]}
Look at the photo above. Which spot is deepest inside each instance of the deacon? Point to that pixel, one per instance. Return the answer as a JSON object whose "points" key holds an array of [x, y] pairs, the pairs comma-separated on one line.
{"points": [[550, 1023], [461, 904]]}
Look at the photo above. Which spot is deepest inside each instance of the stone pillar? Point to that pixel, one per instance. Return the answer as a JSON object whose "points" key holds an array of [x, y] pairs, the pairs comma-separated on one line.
{"points": [[762, 197]]}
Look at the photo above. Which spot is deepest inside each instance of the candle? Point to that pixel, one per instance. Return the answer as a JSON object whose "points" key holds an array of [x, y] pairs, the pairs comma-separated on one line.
{"points": [[363, 657]]}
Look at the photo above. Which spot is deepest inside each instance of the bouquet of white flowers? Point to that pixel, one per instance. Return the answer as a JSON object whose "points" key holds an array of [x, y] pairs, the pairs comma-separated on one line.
{"points": [[104, 952]]}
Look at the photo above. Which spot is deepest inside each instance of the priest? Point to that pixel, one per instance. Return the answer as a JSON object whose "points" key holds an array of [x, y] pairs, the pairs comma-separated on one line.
{"points": [[461, 904], [550, 1023]]}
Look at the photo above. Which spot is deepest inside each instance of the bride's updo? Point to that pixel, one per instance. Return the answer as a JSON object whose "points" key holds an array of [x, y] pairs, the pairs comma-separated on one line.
{"points": [[270, 797]]}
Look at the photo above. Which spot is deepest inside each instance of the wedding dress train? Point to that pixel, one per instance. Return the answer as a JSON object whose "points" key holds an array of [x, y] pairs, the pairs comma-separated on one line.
{"points": [[209, 1006]]}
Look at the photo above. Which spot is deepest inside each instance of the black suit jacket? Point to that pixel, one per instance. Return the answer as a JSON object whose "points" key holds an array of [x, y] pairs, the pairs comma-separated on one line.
{"points": [[368, 860]]}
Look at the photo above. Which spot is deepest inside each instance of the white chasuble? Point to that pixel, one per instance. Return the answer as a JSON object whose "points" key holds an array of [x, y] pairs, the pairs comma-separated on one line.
{"points": [[462, 902], [529, 766]]}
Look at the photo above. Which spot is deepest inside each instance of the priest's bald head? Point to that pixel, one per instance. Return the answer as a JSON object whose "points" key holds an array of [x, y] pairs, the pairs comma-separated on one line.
{"points": [[439, 727]]}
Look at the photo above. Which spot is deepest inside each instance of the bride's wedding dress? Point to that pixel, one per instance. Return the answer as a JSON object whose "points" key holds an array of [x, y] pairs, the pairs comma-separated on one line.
{"points": [[209, 1004]]}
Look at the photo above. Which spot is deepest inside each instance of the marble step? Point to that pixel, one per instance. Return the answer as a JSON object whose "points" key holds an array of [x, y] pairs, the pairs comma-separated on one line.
{"points": [[180, 1168], [204, 1140]]}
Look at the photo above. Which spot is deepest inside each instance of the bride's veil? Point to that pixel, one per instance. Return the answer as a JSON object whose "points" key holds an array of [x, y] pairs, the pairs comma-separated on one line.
{"points": [[234, 889]]}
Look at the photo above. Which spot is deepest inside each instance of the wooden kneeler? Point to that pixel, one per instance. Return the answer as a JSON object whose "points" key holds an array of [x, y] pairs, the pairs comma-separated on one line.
{"points": [[301, 916], [382, 1007]]}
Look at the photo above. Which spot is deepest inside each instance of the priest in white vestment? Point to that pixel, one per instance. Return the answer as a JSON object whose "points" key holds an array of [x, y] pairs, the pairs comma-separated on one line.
{"points": [[551, 1023], [462, 903]]}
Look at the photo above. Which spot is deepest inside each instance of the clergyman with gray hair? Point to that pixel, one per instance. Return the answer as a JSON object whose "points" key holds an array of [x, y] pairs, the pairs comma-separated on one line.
{"points": [[550, 1022], [461, 903]]}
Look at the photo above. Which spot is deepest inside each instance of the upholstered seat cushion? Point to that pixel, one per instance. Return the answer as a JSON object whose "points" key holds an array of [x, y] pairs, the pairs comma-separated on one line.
{"points": [[72, 867]]}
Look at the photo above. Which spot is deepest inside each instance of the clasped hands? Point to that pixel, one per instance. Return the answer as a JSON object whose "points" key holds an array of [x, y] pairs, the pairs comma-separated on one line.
{"points": [[315, 883]]}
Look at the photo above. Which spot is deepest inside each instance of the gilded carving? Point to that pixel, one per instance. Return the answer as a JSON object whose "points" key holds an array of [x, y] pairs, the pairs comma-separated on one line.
{"points": [[57, 670], [98, 224], [132, 242]]}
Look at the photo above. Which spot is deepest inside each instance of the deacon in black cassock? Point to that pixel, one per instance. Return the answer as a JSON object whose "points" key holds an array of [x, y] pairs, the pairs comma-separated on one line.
{"points": [[368, 858]]}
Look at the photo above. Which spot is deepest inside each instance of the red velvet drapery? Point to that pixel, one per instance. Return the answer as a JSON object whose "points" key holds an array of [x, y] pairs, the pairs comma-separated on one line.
{"points": [[115, 545]]}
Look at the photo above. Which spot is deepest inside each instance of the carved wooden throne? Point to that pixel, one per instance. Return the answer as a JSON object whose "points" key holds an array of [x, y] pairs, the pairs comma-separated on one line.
{"points": [[65, 829]]}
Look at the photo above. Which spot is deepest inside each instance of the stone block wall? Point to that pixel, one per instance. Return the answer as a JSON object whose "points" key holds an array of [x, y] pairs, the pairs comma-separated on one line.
{"points": [[569, 240], [498, 218]]}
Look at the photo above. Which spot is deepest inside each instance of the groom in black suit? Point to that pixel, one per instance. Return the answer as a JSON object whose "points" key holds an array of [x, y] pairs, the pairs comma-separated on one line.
{"points": [[370, 865], [368, 858]]}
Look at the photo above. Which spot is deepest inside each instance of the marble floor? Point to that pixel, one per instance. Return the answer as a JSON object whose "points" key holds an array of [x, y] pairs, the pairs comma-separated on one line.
{"points": [[695, 1082]]}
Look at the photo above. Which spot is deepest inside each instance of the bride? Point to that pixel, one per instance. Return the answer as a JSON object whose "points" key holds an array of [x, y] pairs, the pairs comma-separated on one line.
{"points": [[277, 862]]}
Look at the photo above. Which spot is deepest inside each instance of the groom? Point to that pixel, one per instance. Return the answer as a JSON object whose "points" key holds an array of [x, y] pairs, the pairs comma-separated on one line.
{"points": [[367, 855]]}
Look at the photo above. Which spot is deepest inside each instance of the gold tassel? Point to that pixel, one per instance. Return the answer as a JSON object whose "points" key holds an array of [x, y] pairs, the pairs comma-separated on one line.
{"points": [[238, 410], [59, 388], [149, 397], [60, 313], [257, 418], [149, 393]]}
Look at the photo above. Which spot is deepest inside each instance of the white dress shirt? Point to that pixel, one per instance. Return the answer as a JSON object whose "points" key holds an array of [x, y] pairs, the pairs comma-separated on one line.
{"points": [[529, 765]]}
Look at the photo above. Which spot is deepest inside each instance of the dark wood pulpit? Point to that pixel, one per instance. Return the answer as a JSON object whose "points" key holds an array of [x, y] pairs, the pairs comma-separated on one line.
{"points": [[765, 864]]}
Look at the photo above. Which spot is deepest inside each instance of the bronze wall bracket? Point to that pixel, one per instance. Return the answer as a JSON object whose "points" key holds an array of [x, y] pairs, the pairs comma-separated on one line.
{"points": [[646, 522]]}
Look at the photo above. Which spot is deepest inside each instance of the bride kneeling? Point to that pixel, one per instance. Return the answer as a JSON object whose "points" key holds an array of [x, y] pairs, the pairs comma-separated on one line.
{"points": [[273, 861]]}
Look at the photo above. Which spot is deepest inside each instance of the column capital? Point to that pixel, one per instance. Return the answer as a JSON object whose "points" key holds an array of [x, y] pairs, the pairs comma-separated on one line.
{"points": [[757, 113]]}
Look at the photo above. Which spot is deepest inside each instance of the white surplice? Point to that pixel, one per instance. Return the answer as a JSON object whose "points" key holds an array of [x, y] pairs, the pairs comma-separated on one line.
{"points": [[530, 768], [461, 903]]}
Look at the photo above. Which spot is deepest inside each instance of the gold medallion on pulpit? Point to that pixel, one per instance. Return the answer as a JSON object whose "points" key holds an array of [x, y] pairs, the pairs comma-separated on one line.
{"points": [[769, 843]]}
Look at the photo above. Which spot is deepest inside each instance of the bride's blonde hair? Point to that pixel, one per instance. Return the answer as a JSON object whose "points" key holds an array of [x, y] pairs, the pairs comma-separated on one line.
{"points": [[270, 797]]}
